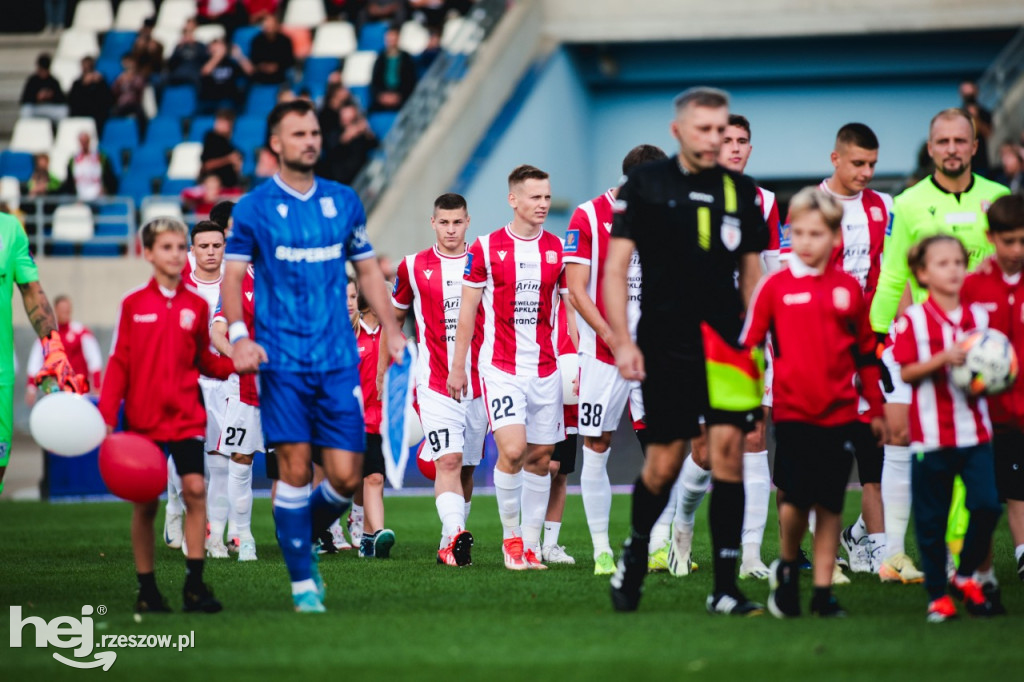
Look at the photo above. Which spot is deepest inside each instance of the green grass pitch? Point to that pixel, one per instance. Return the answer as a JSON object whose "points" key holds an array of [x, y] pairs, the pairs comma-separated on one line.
{"points": [[408, 618]]}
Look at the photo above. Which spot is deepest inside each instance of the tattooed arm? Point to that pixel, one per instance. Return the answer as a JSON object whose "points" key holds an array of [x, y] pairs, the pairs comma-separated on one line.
{"points": [[38, 309]]}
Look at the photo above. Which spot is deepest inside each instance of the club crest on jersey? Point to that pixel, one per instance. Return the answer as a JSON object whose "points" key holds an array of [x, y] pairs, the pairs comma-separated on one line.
{"points": [[841, 298], [551, 257], [282, 210], [187, 319], [328, 208], [731, 235], [501, 254], [876, 213], [428, 273], [572, 241]]}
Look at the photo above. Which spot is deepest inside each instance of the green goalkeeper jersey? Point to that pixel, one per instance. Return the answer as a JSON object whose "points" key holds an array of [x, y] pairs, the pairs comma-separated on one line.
{"points": [[921, 211], [16, 266]]}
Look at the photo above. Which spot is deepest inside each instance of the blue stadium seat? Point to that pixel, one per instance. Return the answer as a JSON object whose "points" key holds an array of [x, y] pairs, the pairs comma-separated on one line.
{"points": [[113, 211], [371, 37], [315, 72], [110, 68], [138, 187], [198, 127], [117, 44], [362, 95], [16, 164], [119, 134], [381, 122], [250, 132], [101, 250], [174, 186], [261, 99], [243, 38], [179, 101], [163, 132]]}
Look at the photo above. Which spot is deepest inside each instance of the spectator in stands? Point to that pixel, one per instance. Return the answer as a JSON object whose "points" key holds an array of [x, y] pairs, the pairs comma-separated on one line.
{"points": [[230, 14], [127, 90], [982, 126], [349, 10], [394, 75], [392, 11], [220, 157], [272, 53], [346, 153], [56, 14], [207, 194], [81, 346], [42, 181], [258, 9], [147, 50], [1011, 167], [42, 95], [430, 13], [336, 97], [90, 173], [220, 75], [90, 95], [431, 52], [188, 58]]}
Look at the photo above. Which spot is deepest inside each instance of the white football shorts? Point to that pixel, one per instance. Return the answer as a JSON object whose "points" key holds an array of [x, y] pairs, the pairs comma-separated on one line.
{"points": [[242, 432], [603, 395], [531, 401], [900, 389], [451, 426]]}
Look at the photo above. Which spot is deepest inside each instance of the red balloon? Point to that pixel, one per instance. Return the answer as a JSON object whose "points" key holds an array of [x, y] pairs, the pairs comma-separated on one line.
{"points": [[427, 467], [133, 467]]}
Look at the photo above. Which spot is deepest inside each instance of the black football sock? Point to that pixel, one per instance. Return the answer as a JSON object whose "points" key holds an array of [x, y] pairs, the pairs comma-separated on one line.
{"points": [[821, 597], [193, 574], [647, 507], [725, 513], [147, 584]]}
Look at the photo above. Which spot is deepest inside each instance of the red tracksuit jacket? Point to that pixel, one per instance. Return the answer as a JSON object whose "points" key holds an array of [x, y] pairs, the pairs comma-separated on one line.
{"points": [[162, 345], [821, 338], [1005, 305]]}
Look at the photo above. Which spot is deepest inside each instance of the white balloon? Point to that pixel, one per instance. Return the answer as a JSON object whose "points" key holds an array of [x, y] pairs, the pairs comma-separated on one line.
{"points": [[413, 428], [67, 424], [570, 367]]}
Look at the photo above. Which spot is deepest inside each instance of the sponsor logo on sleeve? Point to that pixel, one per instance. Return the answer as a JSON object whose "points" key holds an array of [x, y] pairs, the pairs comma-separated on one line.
{"points": [[469, 265], [572, 241]]}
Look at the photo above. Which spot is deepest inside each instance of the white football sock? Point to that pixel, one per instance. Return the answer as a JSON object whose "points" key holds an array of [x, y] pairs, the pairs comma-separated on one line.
{"points": [[451, 509], [508, 489], [217, 505], [174, 503], [469, 505], [663, 526], [757, 489], [693, 485], [551, 530], [596, 489], [896, 498], [240, 497], [536, 491], [986, 577]]}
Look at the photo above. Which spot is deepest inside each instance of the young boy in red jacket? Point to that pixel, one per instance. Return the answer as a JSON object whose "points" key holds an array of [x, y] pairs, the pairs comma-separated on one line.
{"points": [[161, 346], [822, 342], [998, 285]]}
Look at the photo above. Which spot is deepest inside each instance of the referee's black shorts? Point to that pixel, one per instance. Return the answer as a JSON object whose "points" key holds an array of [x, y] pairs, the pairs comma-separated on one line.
{"points": [[675, 396]]}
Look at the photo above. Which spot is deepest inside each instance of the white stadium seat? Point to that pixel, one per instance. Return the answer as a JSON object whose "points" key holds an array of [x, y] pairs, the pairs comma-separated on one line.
{"points": [[149, 102], [131, 14], [32, 135], [413, 37], [66, 70], [334, 39], [209, 32], [174, 13], [10, 192], [93, 15], [68, 130], [305, 13], [169, 37], [160, 209], [358, 69], [75, 44], [73, 223], [185, 161]]}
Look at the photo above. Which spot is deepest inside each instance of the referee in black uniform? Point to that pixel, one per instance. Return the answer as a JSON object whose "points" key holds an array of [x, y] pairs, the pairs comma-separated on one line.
{"points": [[695, 225]]}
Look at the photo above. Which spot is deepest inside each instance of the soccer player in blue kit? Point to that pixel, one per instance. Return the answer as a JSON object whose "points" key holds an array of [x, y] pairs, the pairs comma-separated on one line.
{"points": [[298, 230]]}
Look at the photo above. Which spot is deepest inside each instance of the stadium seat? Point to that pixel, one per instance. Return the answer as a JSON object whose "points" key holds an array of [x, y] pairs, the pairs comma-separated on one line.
{"points": [[135, 186], [93, 15], [75, 44], [119, 134], [102, 250], [207, 33], [243, 38], [163, 207], [174, 186], [185, 161], [169, 37], [16, 164], [66, 70], [174, 13], [362, 95], [10, 192], [413, 37], [32, 135], [198, 127], [117, 44], [178, 101], [149, 101], [371, 35], [69, 129], [73, 223], [302, 40], [131, 14], [334, 39], [316, 70], [358, 69], [163, 133], [110, 68], [261, 99], [308, 13], [250, 132], [381, 122], [116, 210]]}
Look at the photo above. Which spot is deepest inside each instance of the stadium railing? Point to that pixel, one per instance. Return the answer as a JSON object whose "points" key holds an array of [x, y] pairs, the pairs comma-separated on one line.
{"points": [[113, 218], [430, 94], [1003, 73]]}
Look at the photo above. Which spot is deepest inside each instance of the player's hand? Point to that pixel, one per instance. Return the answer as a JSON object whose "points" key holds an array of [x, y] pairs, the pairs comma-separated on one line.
{"points": [[630, 362], [396, 346], [57, 371], [956, 355], [247, 356], [457, 383], [380, 383], [880, 430]]}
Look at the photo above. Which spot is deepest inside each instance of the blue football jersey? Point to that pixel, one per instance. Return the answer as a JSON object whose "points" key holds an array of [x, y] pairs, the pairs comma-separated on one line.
{"points": [[298, 244]]}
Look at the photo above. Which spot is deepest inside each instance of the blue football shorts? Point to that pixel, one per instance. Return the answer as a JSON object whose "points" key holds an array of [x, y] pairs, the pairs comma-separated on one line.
{"points": [[320, 408]]}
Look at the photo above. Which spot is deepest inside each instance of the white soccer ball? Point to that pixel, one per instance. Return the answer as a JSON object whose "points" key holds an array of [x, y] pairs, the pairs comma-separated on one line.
{"points": [[569, 366], [67, 424], [991, 365]]}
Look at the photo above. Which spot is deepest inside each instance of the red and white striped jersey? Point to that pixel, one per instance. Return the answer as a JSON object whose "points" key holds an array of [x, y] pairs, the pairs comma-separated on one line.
{"points": [[941, 415], [770, 210], [368, 344], [248, 392], [586, 243], [208, 290], [520, 279], [431, 283], [866, 217]]}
